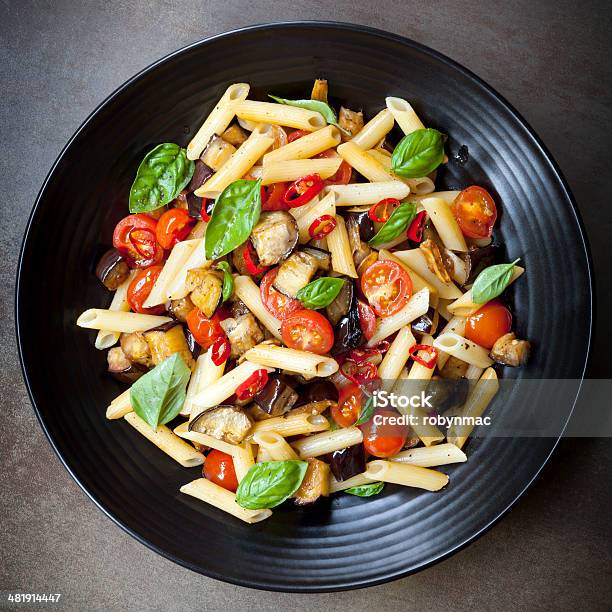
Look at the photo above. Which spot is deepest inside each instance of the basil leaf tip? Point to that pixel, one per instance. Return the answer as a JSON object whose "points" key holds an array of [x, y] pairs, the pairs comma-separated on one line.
{"points": [[314, 105], [270, 483], [159, 395], [233, 217], [418, 153], [366, 412], [492, 281], [321, 292], [397, 223], [367, 490], [163, 173], [228, 280]]}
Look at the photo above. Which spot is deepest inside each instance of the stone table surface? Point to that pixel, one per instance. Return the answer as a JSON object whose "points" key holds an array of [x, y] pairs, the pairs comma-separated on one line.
{"points": [[59, 59]]}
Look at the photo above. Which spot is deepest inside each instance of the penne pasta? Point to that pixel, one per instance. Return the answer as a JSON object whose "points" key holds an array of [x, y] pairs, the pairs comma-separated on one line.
{"points": [[463, 349], [307, 214], [374, 130], [447, 196], [247, 291], [279, 114], [182, 431], [327, 442], [305, 147], [301, 362], [364, 194], [120, 322], [431, 456], [292, 170], [406, 475], [292, 424], [204, 374], [107, 338], [365, 164], [340, 249], [120, 406], [276, 446], [391, 366], [444, 221], [354, 481], [243, 459], [456, 325], [404, 114]]}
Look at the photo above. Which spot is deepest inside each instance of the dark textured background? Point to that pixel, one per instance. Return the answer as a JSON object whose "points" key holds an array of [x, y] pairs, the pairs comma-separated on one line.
{"points": [[60, 59]]}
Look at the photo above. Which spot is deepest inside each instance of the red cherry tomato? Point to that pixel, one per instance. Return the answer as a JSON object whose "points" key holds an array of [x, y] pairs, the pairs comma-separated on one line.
{"points": [[475, 211], [367, 319], [173, 226], [381, 436], [140, 288], [350, 400], [380, 212], [387, 287], [488, 324], [134, 237], [204, 330], [254, 383], [297, 134], [343, 174], [307, 330], [273, 197], [219, 468], [276, 303]]}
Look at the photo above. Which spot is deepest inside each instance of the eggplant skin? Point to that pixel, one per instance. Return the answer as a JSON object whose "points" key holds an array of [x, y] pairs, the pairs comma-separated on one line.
{"points": [[243, 333], [112, 269], [277, 397], [274, 237], [315, 483], [225, 422], [201, 174], [348, 462], [136, 348], [181, 308], [206, 288], [348, 332], [122, 368], [162, 344], [317, 391]]}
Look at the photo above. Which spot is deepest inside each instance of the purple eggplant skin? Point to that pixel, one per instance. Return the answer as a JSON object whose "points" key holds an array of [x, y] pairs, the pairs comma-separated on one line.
{"points": [[347, 462], [112, 269], [348, 332], [317, 391], [194, 347], [364, 223], [122, 368], [277, 397], [480, 258], [424, 324], [201, 174]]}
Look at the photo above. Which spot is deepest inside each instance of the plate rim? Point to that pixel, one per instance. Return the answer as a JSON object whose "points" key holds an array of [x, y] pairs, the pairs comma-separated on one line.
{"points": [[376, 32]]}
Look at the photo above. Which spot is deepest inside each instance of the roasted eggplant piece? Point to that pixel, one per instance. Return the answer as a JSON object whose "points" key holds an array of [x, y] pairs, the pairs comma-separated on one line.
{"points": [[238, 308], [206, 287], [323, 257], [225, 422], [274, 237], [122, 368], [319, 90], [359, 249], [363, 222], [136, 348], [351, 122], [112, 269], [167, 340], [342, 303], [479, 258], [180, 308], [217, 152], [277, 397], [315, 483], [295, 273], [427, 323], [509, 351], [348, 462], [434, 260], [243, 333], [447, 393], [456, 265], [235, 135], [317, 391], [201, 174], [454, 368], [348, 332]]}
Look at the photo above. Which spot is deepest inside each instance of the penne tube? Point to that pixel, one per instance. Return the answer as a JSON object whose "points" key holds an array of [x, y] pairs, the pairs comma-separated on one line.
{"points": [[416, 261], [179, 255], [445, 223], [447, 196], [456, 325], [291, 425], [279, 114], [218, 120], [374, 130], [416, 306], [421, 186], [391, 366], [418, 371], [365, 164], [364, 194], [106, 338], [406, 475], [354, 481], [225, 500], [473, 372], [301, 362], [121, 322], [418, 186], [404, 114], [327, 442], [263, 455], [198, 231], [418, 282], [120, 406], [292, 170], [431, 456], [463, 349], [340, 249], [224, 387], [182, 431], [247, 291], [243, 459], [177, 287], [276, 446], [305, 147], [204, 374], [312, 211], [238, 164], [477, 402], [464, 306], [166, 441]]}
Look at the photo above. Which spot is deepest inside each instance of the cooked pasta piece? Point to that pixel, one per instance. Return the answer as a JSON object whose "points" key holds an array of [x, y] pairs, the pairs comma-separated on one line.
{"points": [[292, 424], [292, 170], [177, 287], [120, 406], [404, 114], [365, 164], [422, 185], [279, 114], [277, 447], [247, 291], [263, 455], [106, 338], [182, 431], [463, 349], [307, 214], [354, 481], [204, 374], [445, 223], [406, 475], [340, 249], [396, 357], [374, 130], [447, 196], [456, 325], [327, 442], [431, 456], [305, 147], [363, 194], [121, 322], [243, 459], [300, 362]]}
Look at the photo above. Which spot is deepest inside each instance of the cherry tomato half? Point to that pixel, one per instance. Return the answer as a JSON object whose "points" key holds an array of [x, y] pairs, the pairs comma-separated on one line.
{"points": [[140, 288], [382, 437], [387, 287], [307, 330], [475, 211], [343, 174], [204, 330], [297, 134], [273, 197], [350, 400], [173, 226], [134, 237], [488, 324], [367, 319], [219, 468], [276, 303]]}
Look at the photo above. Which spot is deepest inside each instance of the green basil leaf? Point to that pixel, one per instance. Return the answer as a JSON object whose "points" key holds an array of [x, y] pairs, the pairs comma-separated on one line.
{"points": [[161, 176], [367, 411], [314, 105], [398, 222], [228, 280], [491, 282], [367, 490], [418, 153], [269, 484], [159, 395], [321, 292], [234, 215]]}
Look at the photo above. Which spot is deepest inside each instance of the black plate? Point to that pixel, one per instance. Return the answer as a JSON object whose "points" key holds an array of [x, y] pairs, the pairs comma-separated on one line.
{"points": [[348, 542]]}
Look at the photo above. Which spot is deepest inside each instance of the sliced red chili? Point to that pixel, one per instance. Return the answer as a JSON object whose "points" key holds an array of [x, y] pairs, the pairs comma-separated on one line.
{"points": [[145, 244], [249, 260], [254, 383], [359, 372], [380, 213], [300, 192], [321, 227], [426, 348], [206, 209], [415, 231], [220, 350]]}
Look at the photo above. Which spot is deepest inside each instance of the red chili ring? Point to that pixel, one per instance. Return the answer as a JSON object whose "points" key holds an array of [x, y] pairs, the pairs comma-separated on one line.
{"points": [[415, 231], [428, 363], [380, 212], [322, 226], [254, 383], [248, 256], [137, 241], [300, 192], [220, 350]]}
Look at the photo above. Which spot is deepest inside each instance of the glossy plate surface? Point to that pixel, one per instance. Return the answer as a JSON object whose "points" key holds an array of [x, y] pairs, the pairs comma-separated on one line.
{"points": [[347, 542]]}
